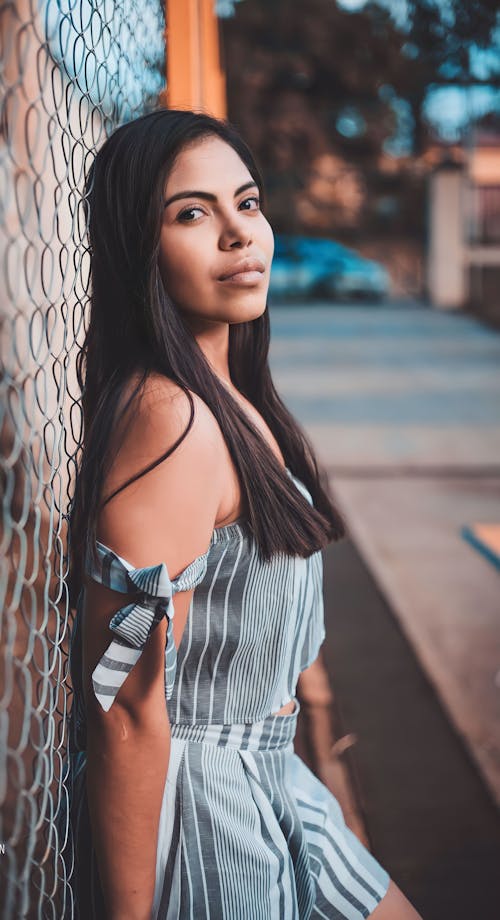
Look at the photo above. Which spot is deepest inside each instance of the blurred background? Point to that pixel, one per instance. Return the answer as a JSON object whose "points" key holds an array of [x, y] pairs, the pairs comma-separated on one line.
{"points": [[377, 128]]}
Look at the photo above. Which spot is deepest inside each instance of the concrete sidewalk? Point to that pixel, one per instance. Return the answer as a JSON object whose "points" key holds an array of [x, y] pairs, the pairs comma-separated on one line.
{"points": [[445, 594], [428, 816], [403, 406]]}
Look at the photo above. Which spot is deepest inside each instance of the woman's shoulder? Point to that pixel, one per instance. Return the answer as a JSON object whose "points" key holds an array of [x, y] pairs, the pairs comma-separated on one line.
{"points": [[146, 390], [161, 408], [164, 475]]}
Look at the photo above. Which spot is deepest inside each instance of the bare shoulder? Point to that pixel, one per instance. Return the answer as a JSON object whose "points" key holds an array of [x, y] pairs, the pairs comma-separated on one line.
{"points": [[160, 416], [163, 407], [169, 510]]}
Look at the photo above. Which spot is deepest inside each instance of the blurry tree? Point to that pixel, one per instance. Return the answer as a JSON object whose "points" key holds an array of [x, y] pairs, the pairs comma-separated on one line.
{"points": [[320, 57], [442, 41], [303, 84], [313, 88]]}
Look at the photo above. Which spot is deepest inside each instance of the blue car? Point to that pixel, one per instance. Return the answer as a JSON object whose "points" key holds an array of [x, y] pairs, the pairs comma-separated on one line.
{"points": [[318, 267]]}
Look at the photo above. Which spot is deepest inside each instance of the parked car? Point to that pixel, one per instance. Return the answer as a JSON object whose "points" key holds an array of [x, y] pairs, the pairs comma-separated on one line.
{"points": [[318, 267]]}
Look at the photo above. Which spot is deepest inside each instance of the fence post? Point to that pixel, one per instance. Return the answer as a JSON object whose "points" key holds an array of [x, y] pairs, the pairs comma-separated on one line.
{"points": [[195, 76], [446, 272]]}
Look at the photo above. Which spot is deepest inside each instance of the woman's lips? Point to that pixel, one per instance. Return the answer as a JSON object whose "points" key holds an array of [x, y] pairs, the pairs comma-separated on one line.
{"points": [[245, 278], [247, 272]]}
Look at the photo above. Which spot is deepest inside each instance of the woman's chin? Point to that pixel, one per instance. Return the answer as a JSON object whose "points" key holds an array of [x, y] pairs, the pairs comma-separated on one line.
{"points": [[243, 313], [238, 309]]}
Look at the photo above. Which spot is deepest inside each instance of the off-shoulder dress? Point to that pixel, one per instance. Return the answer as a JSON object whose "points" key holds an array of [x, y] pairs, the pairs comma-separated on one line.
{"points": [[246, 830]]}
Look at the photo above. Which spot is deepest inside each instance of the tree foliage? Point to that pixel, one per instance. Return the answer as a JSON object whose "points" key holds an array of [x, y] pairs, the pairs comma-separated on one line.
{"points": [[312, 81]]}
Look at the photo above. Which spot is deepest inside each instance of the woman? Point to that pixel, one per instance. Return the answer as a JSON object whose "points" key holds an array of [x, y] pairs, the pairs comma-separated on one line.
{"points": [[187, 798]]}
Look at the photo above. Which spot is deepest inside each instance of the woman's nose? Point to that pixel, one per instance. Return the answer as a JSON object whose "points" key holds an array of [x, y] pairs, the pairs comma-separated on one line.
{"points": [[235, 233]]}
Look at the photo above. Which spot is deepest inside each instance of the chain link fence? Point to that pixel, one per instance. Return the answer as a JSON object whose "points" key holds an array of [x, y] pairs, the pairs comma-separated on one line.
{"points": [[72, 70]]}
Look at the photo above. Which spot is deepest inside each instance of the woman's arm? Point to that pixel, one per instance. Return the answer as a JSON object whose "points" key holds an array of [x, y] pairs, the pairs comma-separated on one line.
{"points": [[127, 763], [166, 516]]}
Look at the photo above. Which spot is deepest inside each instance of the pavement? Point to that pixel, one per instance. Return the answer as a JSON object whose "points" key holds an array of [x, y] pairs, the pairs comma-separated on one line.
{"points": [[402, 404], [403, 407], [427, 815]]}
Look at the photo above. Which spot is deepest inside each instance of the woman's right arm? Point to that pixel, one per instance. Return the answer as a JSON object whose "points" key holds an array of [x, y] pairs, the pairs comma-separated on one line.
{"points": [[166, 516]]}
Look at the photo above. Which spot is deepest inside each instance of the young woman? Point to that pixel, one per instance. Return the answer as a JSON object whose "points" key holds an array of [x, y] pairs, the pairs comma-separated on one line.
{"points": [[187, 799]]}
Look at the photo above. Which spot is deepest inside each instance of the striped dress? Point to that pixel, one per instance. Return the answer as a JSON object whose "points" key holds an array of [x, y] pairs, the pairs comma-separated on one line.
{"points": [[246, 831]]}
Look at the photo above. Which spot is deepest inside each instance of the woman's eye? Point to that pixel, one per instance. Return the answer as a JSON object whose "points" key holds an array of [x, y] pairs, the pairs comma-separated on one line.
{"points": [[184, 214], [185, 217], [252, 198]]}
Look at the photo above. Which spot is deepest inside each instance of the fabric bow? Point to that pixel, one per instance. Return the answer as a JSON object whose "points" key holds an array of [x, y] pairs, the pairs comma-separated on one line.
{"points": [[133, 624]]}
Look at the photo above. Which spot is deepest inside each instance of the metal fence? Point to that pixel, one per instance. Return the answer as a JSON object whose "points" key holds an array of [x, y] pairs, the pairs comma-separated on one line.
{"points": [[72, 70], [484, 214]]}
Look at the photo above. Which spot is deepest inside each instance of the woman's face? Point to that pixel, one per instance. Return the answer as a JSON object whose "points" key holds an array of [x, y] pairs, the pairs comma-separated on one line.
{"points": [[216, 246]]}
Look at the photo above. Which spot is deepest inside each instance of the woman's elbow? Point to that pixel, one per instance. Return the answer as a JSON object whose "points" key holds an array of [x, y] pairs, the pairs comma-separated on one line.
{"points": [[145, 712]]}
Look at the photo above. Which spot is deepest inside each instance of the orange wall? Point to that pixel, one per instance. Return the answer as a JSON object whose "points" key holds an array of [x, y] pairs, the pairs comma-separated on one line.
{"points": [[195, 78]]}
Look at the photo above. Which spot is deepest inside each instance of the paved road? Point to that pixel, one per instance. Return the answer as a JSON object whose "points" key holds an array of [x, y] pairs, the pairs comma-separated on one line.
{"points": [[391, 385], [403, 406]]}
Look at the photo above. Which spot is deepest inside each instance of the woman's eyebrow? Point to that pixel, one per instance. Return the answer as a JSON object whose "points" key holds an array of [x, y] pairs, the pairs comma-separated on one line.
{"points": [[207, 195]]}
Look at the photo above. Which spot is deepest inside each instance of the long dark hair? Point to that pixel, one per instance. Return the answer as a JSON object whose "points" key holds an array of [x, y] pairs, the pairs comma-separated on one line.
{"points": [[134, 326]]}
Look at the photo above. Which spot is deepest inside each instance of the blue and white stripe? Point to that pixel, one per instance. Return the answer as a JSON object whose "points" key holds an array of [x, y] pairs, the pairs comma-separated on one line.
{"points": [[134, 623], [246, 831]]}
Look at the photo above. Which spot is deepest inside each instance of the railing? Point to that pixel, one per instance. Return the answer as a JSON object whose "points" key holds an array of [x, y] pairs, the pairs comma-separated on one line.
{"points": [[484, 214]]}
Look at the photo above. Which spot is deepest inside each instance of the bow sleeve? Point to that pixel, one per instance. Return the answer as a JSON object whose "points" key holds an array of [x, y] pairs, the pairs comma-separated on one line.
{"points": [[132, 624]]}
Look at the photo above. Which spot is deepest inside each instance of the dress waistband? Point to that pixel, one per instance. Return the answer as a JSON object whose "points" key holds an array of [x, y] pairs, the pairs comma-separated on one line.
{"points": [[273, 732]]}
